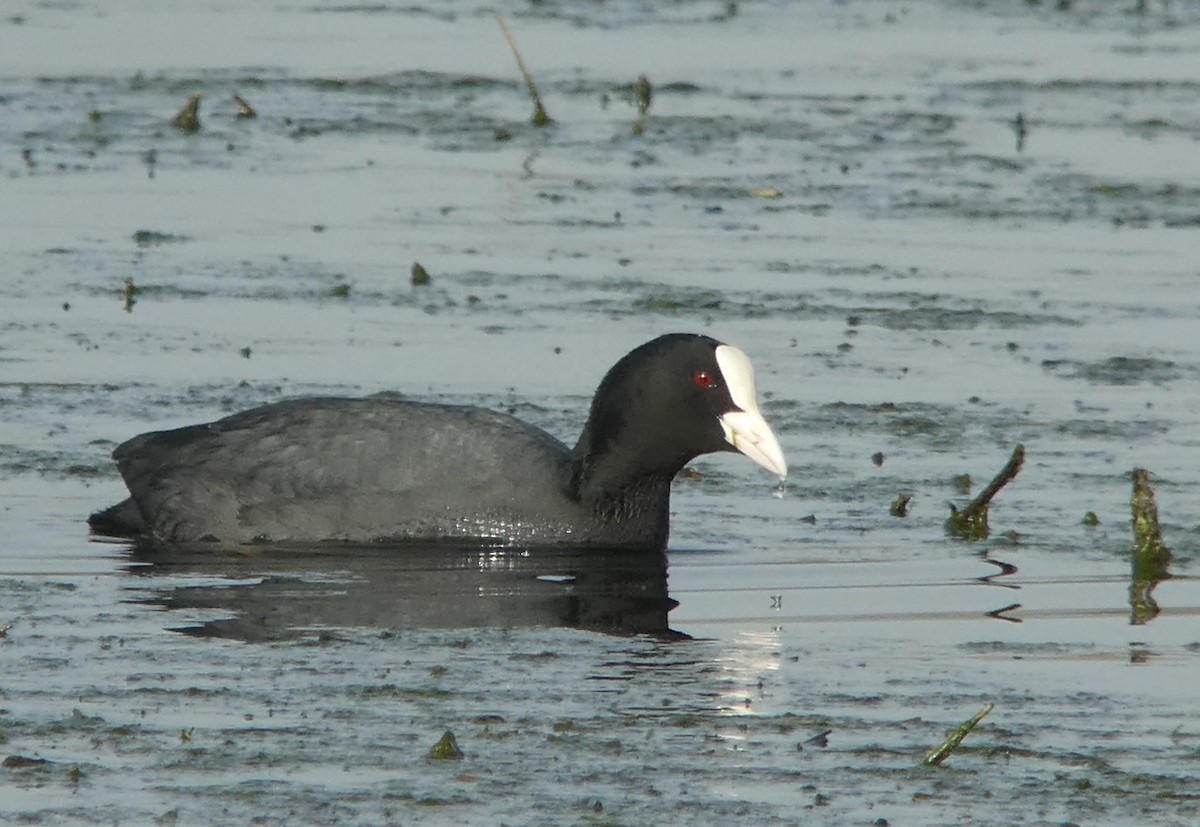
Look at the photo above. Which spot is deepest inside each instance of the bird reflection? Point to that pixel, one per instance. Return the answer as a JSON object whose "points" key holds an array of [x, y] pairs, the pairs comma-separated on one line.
{"points": [[277, 592]]}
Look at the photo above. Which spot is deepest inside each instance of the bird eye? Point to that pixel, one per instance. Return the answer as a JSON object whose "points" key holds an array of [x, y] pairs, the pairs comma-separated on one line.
{"points": [[703, 379]]}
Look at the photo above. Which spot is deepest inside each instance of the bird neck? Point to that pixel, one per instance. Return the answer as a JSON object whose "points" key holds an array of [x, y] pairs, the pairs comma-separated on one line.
{"points": [[611, 455], [618, 490]]}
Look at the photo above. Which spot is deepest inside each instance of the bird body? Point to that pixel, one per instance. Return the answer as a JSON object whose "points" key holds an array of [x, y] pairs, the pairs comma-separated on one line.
{"points": [[386, 469]]}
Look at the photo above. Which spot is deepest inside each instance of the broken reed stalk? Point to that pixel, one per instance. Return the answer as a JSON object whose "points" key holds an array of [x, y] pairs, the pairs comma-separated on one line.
{"points": [[1150, 554], [643, 93], [1147, 535], [187, 120], [937, 756], [971, 523], [540, 118], [245, 110]]}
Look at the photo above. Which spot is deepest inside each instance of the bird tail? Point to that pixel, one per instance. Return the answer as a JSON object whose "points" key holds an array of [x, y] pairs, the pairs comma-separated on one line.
{"points": [[121, 520]]}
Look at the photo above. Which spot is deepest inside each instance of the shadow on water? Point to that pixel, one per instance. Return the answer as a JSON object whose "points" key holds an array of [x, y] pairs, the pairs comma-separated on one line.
{"points": [[284, 592]]}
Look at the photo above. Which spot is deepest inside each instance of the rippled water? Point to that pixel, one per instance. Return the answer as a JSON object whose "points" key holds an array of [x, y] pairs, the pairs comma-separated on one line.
{"points": [[842, 189]]}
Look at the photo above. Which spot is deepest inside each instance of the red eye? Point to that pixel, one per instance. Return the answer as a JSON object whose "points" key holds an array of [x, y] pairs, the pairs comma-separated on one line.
{"points": [[703, 379]]}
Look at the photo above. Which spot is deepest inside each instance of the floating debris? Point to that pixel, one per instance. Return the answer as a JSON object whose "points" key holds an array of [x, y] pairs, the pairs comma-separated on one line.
{"points": [[152, 238], [187, 120], [971, 523], [821, 739], [937, 756], [20, 762], [540, 118]]}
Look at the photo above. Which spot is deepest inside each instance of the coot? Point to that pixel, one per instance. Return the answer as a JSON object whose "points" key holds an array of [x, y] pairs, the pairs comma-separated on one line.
{"points": [[382, 469]]}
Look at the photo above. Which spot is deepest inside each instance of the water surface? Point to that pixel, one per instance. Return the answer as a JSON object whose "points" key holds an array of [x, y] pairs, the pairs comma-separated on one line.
{"points": [[841, 189]]}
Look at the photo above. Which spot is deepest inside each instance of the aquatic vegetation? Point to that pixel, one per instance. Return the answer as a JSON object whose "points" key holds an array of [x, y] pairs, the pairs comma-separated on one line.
{"points": [[942, 752], [1149, 548], [153, 238], [129, 293], [680, 302], [1151, 556], [968, 268], [540, 118], [971, 521], [244, 110], [187, 120], [643, 94], [1118, 370], [446, 749]]}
